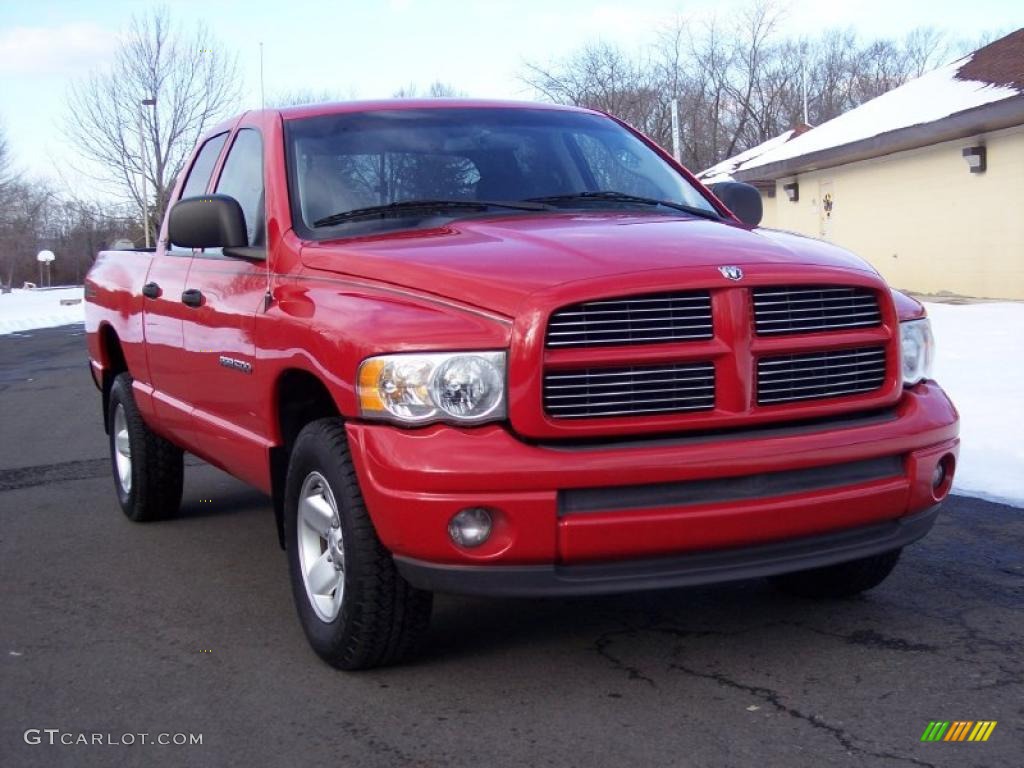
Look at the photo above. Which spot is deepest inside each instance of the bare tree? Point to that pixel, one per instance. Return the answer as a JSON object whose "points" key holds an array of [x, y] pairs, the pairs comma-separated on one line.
{"points": [[436, 90], [737, 80], [36, 217], [752, 52], [299, 96], [21, 221], [602, 76], [193, 81], [76, 230], [6, 169], [696, 62], [925, 48], [11, 213]]}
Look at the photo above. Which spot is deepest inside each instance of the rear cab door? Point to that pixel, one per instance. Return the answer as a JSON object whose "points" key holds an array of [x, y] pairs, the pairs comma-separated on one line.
{"points": [[164, 311]]}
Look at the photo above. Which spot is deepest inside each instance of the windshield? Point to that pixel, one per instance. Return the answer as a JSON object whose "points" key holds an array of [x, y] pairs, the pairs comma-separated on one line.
{"points": [[358, 161]]}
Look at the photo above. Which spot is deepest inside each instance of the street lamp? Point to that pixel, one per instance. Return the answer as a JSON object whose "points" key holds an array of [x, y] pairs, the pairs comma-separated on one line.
{"points": [[142, 163]]}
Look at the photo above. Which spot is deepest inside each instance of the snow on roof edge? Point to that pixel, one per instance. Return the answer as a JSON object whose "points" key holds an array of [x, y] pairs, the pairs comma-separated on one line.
{"points": [[934, 96], [723, 170]]}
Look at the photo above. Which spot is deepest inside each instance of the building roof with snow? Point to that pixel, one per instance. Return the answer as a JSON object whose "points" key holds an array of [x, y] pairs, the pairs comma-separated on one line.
{"points": [[724, 170], [981, 92]]}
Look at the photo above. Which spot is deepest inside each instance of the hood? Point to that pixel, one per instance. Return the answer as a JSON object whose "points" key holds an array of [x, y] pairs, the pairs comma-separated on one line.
{"points": [[495, 263]]}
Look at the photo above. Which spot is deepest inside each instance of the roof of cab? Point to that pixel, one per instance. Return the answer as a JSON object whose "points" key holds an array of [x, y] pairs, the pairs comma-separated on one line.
{"points": [[340, 107]]}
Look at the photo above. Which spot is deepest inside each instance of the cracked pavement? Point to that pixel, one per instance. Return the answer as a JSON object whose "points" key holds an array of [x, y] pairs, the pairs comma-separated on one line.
{"points": [[108, 618]]}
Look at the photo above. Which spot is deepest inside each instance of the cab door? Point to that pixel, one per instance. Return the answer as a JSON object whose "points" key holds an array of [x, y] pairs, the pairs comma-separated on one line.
{"points": [[164, 312], [219, 330]]}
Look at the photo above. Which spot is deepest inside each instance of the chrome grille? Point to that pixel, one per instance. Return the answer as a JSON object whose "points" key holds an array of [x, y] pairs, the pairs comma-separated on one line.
{"points": [[804, 309], [818, 375], [650, 319], [636, 390]]}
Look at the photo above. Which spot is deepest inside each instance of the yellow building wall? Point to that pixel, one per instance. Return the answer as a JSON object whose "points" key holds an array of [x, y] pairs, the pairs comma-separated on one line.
{"points": [[770, 216], [920, 217]]}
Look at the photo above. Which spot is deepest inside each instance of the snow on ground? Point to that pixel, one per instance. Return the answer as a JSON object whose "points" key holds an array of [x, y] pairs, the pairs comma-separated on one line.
{"points": [[39, 308], [980, 363]]}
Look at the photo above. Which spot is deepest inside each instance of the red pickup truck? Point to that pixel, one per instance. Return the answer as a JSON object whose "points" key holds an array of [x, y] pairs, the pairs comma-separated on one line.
{"points": [[511, 349]]}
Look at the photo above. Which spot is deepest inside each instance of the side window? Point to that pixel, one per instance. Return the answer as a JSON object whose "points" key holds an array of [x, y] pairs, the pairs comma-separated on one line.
{"points": [[199, 175], [242, 179]]}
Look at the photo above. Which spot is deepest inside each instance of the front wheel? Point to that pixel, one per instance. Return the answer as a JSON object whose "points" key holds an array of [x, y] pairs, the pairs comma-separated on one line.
{"points": [[840, 580], [355, 608]]}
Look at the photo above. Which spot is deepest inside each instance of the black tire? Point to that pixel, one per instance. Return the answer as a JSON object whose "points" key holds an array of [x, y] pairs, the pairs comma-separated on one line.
{"points": [[381, 618], [841, 580], [156, 468]]}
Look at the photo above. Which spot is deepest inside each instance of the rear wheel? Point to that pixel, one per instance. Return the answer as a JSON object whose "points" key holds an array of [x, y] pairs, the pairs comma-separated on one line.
{"points": [[841, 580], [355, 608], [148, 470]]}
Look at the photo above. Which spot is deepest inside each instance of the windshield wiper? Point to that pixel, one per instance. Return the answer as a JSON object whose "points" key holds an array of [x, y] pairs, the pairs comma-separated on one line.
{"points": [[403, 207], [622, 197]]}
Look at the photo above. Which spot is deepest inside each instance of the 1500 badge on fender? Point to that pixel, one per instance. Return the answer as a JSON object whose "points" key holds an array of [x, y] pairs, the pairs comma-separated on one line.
{"points": [[238, 365]]}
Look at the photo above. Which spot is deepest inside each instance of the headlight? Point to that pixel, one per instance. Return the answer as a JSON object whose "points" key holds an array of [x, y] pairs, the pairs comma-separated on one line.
{"points": [[917, 348], [464, 387]]}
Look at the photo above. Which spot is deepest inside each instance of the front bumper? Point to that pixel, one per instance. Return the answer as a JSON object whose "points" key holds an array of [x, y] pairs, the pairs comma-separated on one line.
{"points": [[646, 511], [667, 572]]}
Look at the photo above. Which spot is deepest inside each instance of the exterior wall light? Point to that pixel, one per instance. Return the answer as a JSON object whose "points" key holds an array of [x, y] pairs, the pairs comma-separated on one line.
{"points": [[793, 191], [975, 157]]}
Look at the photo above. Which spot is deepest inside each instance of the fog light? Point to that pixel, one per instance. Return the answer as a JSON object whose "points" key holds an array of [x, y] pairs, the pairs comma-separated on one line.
{"points": [[939, 475], [470, 527]]}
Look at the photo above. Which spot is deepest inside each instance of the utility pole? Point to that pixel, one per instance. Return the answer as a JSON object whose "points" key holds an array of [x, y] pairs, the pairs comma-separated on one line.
{"points": [[803, 84], [143, 163], [677, 150], [262, 100]]}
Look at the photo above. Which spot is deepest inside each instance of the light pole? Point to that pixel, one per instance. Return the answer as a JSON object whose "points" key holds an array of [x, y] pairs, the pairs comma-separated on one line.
{"points": [[677, 149], [142, 162]]}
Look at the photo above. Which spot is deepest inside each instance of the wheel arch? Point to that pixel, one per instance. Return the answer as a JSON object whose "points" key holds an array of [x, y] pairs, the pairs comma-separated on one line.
{"points": [[113, 361], [299, 397]]}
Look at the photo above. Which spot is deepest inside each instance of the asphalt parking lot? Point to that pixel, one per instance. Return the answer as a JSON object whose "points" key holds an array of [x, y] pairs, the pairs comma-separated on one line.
{"points": [[187, 626]]}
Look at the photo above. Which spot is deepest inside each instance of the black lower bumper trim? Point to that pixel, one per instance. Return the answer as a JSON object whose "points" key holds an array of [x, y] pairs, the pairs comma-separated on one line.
{"points": [[667, 572], [689, 492]]}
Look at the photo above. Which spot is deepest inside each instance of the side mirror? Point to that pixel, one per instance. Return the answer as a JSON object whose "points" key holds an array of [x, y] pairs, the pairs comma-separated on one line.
{"points": [[207, 221], [742, 199], [212, 221]]}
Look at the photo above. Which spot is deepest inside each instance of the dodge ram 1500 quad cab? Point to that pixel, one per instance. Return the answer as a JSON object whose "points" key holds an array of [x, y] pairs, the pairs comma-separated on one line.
{"points": [[511, 349]]}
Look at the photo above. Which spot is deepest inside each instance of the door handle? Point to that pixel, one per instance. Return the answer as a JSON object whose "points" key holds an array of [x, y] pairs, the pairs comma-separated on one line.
{"points": [[193, 297], [151, 291]]}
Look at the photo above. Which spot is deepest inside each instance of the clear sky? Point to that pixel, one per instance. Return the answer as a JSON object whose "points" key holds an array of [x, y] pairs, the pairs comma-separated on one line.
{"points": [[370, 48]]}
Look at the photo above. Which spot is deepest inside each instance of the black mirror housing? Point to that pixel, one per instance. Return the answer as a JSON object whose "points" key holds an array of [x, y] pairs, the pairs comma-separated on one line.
{"points": [[207, 221], [742, 199]]}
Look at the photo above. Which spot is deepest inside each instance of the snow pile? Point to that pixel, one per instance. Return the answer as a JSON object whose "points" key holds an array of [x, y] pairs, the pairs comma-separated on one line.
{"points": [[723, 171], [980, 363], [40, 308]]}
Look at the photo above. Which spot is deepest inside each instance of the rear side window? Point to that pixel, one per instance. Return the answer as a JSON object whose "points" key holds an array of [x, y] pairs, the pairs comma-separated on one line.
{"points": [[202, 168], [242, 179]]}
